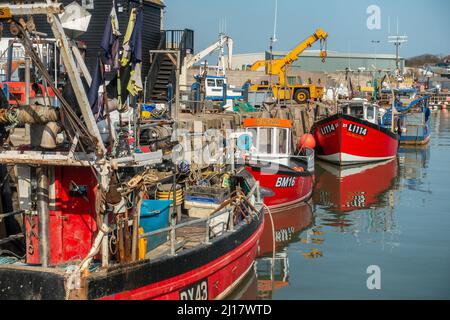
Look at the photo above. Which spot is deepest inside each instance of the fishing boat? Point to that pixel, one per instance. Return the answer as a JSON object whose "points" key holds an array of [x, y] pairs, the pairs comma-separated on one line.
{"points": [[220, 248], [272, 161], [355, 135], [100, 215], [413, 116], [354, 188]]}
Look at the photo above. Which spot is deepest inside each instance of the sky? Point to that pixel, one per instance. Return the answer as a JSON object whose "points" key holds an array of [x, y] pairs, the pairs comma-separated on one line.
{"points": [[251, 23]]}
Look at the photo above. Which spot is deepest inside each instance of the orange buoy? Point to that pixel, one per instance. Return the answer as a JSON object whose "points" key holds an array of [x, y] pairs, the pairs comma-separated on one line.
{"points": [[307, 141]]}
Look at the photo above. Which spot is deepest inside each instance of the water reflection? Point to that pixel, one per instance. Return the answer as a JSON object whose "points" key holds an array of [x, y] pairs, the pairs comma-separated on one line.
{"points": [[273, 269], [414, 163], [341, 191]]}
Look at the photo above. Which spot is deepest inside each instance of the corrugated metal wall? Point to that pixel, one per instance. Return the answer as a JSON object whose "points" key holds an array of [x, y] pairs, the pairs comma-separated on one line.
{"points": [[100, 12]]}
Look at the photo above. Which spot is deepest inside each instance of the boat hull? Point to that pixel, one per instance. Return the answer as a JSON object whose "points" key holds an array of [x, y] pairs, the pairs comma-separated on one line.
{"points": [[289, 187], [345, 140], [210, 271]]}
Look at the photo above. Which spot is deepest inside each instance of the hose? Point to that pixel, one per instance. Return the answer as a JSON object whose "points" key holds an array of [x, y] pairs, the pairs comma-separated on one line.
{"points": [[274, 249]]}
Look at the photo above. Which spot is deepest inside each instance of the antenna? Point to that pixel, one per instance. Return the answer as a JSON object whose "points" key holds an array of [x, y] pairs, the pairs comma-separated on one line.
{"points": [[274, 38], [397, 41]]}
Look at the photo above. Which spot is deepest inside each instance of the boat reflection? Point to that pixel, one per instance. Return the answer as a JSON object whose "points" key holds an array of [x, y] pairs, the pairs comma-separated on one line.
{"points": [[414, 162], [247, 289], [273, 268], [354, 188], [343, 190]]}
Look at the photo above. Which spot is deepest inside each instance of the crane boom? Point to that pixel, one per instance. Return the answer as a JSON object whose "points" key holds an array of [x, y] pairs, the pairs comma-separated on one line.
{"points": [[218, 45], [224, 40], [277, 67]]}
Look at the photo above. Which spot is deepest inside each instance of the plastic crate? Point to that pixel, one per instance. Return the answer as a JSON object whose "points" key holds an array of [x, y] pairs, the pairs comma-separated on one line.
{"points": [[207, 194]]}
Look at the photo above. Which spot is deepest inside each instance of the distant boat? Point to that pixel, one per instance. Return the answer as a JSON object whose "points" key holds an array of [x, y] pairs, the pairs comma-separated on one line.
{"points": [[355, 135], [414, 117], [440, 68]]}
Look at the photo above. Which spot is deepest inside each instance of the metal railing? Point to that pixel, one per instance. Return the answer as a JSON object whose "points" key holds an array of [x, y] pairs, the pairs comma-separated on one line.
{"points": [[255, 191], [179, 40]]}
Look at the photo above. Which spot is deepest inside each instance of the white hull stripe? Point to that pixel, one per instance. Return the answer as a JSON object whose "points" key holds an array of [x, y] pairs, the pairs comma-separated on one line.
{"points": [[346, 158]]}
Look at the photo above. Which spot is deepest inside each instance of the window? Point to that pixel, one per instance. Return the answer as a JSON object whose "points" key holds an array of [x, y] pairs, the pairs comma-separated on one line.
{"points": [[220, 83], [357, 112], [265, 141], [211, 83], [88, 4], [282, 141], [253, 133], [370, 113]]}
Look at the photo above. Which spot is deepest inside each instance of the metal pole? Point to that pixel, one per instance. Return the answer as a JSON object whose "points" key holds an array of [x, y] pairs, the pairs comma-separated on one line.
{"points": [[43, 214], [393, 111], [177, 89], [174, 215], [27, 89], [9, 62], [27, 80]]}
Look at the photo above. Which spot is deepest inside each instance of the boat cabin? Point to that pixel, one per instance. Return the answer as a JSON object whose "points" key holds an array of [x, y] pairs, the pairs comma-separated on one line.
{"points": [[214, 86], [361, 109], [271, 138]]}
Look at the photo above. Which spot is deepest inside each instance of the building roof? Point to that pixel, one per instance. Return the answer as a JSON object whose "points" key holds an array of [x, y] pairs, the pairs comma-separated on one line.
{"points": [[335, 54], [331, 54], [157, 2]]}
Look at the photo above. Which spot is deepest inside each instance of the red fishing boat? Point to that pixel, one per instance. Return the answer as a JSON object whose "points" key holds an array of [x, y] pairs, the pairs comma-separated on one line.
{"points": [[354, 135], [271, 160], [208, 262], [354, 188]]}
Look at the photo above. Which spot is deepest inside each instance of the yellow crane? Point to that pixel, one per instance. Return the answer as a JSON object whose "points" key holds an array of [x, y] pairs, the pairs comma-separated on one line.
{"points": [[301, 93]]}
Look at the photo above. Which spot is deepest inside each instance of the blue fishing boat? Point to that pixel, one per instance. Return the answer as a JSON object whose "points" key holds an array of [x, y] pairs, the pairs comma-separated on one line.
{"points": [[412, 118]]}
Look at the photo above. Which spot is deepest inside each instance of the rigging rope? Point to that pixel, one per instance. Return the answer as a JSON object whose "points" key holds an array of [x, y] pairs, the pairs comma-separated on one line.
{"points": [[75, 123]]}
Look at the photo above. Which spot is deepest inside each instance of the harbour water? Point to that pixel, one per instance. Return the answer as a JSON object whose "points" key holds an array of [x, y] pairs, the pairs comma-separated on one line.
{"points": [[394, 216]]}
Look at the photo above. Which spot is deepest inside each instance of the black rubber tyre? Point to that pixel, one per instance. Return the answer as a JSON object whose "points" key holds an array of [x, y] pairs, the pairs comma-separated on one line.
{"points": [[301, 96]]}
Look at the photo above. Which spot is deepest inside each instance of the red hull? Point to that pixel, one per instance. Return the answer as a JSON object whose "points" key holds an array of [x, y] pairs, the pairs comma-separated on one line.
{"points": [[223, 275], [347, 140], [354, 188], [288, 186], [205, 272]]}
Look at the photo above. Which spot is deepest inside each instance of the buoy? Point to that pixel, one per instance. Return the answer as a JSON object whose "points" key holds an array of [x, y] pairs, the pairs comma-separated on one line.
{"points": [[307, 141]]}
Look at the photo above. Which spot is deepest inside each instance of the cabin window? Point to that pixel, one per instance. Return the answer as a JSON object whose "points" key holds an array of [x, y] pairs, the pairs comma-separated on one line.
{"points": [[265, 141], [370, 113], [253, 133], [283, 141], [88, 4], [220, 83], [211, 83], [357, 112]]}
